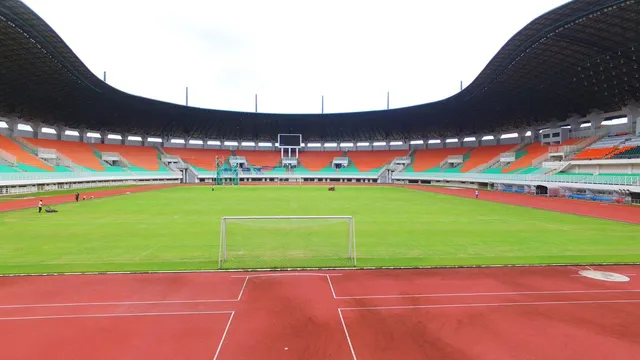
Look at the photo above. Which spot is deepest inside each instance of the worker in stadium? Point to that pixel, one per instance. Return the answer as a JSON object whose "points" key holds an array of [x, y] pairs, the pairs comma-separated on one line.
{"points": [[477, 193], [40, 207], [77, 196], [332, 188]]}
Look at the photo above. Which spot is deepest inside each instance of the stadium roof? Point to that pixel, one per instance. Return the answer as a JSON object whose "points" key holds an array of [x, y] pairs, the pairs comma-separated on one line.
{"points": [[578, 57]]}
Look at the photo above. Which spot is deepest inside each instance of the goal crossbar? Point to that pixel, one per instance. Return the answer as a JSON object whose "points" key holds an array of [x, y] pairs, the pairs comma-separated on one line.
{"points": [[351, 253]]}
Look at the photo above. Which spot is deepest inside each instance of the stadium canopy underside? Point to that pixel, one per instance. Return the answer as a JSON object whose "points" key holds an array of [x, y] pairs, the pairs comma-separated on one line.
{"points": [[581, 56]]}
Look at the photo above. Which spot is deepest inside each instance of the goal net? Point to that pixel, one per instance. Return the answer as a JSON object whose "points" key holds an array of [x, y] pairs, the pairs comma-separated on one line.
{"points": [[289, 180], [269, 242]]}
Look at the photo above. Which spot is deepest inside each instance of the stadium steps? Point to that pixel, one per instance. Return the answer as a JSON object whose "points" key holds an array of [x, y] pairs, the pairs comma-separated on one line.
{"points": [[430, 159], [140, 158], [481, 157]]}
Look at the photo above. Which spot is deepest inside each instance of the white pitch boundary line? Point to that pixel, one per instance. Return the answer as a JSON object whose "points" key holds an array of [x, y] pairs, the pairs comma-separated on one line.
{"points": [[496, 304], [224, 335], [113, 315], [346, 333], [487, 294]]}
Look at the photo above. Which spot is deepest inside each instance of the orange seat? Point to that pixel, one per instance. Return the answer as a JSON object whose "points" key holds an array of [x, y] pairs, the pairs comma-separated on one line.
{"points": [[483, 154], [595, 153], [78, 152], [317, 160], [260, 158], [22, 156], [426, 159], [200, 158], [619, 151], [534, 151], [370, 160], [145, 157]]}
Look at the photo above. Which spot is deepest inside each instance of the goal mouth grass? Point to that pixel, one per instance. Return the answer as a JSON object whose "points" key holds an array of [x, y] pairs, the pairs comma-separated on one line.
{"points": [[271, 242]]}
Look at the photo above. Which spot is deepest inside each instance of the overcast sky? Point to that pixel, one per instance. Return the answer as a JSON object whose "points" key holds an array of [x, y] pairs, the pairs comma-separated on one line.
{"points": [[289, 52]]}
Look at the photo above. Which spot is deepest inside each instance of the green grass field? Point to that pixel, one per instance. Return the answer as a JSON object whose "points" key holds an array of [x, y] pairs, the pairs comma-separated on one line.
{"points": [[178, 229]]}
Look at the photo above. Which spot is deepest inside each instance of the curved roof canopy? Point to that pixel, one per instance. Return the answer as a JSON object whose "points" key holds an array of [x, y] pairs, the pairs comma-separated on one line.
{"points": [[581, 56]]}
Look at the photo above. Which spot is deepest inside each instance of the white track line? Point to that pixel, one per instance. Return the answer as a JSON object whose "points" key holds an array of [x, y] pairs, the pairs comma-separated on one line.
{"points": [[496, 304], [346, 333], [160, 302], [331, 286], [113, 315], [223, 336], [242, 290], [488, 294], [285, 274]]}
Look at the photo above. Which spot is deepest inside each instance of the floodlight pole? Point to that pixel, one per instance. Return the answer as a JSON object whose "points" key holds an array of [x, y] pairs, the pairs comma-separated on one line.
{"points": [[186, 102], [104, 77], [460, 85], [387, 100], [256, 102], [322, 104]]}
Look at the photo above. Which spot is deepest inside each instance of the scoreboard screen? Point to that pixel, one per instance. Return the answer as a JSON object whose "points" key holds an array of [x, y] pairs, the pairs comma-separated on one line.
{"points": [[289, 140]]}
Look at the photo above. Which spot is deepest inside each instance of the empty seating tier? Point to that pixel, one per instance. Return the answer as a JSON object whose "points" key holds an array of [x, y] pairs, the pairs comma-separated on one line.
{"points": [[483, 154], [627, 152], [533, 152], [594, 153], [22, 156], [79, 153], [371, 160], [426, 159], [144, 157], [260, 158], [317, 160], [201, 158]]}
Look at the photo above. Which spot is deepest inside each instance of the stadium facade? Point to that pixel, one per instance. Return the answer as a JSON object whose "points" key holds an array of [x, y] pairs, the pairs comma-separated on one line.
{"points": [[541, 102]]}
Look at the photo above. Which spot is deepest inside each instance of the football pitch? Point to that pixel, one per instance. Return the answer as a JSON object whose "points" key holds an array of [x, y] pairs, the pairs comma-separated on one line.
{"points": [[179, 229]]}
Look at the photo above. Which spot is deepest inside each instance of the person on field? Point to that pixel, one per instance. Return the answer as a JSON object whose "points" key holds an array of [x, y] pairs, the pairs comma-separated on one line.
{"points": [[477, 193], [40, 207], [77, 196]]}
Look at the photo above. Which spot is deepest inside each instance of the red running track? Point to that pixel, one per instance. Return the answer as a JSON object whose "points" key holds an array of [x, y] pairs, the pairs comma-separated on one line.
{"points": [[624, 213], [449, 314], [19, 204]]}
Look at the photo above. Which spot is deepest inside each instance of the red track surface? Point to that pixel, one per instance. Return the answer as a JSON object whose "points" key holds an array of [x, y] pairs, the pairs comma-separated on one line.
{"points": [[615, 212], [490, 313], [59, 199]]}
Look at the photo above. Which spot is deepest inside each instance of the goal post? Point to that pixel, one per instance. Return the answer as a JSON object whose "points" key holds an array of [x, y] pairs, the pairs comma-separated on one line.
{"points": [[276, 242]]}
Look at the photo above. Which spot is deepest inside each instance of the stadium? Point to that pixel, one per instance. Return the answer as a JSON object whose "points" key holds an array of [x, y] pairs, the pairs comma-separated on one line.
{"points": [[498, 223]]}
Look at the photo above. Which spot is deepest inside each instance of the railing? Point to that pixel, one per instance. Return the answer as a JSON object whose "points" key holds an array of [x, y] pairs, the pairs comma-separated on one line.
{"points": [[11, 159], [76, 176], [577, 179]]}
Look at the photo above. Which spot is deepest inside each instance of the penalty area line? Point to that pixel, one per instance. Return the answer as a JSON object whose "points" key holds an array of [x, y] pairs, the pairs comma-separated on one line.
{"points": [[346, 333]]}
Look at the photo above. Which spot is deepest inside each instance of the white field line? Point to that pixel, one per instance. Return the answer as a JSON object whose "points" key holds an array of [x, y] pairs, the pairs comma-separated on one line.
{"points": [[496, 304], [489, 294], [285, 274], [578, 275], [224, 335], [148, 251], [346, 333], [113, 315]]}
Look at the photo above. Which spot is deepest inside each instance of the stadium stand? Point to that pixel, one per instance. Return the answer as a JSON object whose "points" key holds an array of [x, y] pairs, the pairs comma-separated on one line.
{"points": [[79, 153], [25, 159], [426, 159], [140, 157], [260, 158], [317, 160], [484, 154], [202, 159], [602, 148], [371, 160], [531, 152]]}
